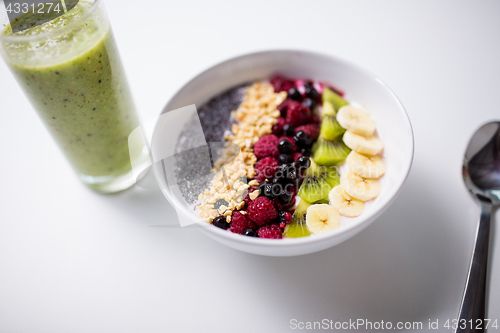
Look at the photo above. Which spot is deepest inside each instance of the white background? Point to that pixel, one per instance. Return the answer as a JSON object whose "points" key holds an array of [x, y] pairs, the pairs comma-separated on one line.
{"points": [[75, 261]]}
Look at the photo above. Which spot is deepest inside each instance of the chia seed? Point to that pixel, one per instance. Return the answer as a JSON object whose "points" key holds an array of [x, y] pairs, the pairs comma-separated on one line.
{"points": [[191, 171]]}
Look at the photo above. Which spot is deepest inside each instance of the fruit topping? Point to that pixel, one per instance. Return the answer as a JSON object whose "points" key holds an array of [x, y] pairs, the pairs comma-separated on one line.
{"points": [[297, 227], [250, 232], [311, 129], [288, 130], [331, 96], [318, 182], [369, 145], [297, 114], [239, 222], [329, 153], [321, 218], [285, 158], [261, 211], [367, 166], [302, 139], [285, 146], [346, 205], [266, 168], [272, 231], [281, 83], [278, 127], [294, 94], [220, 222], [359, 187], [356, 120], [266, 146]]}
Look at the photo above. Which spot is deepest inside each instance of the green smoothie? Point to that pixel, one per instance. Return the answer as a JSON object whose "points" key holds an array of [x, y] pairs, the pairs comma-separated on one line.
{"points": [[75, 81]]}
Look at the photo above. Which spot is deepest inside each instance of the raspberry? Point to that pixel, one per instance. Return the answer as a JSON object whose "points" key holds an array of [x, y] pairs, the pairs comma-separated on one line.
{"points": [[266, 168], [297, 114], [247, 197], [261, 211], [278, 127], [315, 119], [283, 107], [281, 83], [289, 138], [266, 146], [239, 222], [252, 225], [272, 231], [296, 156], [311, 129]]}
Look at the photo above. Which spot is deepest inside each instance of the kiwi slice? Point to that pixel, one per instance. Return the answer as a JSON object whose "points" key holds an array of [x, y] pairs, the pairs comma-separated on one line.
{"points": [[330, 128], [328, 109], [297, 227], [328, 152], [318, 182], [331, 96]]}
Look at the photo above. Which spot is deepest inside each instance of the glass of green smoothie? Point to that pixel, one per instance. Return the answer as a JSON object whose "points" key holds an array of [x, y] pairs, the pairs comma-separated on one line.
{"points": [[70, 70]]}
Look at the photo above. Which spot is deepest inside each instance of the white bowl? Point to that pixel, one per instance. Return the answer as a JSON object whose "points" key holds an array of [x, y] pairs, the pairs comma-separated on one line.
{"points": [[392, 123]]}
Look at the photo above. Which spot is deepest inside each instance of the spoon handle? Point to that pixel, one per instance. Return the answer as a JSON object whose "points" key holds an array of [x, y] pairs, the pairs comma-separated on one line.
{"points": [[473, 308]]}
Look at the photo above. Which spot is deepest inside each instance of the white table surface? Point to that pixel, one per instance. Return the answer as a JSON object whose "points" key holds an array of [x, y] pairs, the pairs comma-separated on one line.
{"points": [[75, 261]]}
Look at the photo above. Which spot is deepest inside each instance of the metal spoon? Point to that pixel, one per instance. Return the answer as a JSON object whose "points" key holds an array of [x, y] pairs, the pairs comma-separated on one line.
{"points": [[481, 172]]}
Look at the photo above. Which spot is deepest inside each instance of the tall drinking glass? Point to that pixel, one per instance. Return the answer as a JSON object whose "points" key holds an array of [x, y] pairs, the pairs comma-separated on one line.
{"points": [[70, 70]]}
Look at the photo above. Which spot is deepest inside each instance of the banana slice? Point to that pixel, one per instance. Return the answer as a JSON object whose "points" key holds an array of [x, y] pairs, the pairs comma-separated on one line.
{"points": [[356, 120], [367, 166], [369, 145], [321, 218], [359, 187], [347, 205]]}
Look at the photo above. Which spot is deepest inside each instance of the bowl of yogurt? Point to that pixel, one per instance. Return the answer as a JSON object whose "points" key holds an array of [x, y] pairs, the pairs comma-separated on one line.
{"points": [[281, 127]]}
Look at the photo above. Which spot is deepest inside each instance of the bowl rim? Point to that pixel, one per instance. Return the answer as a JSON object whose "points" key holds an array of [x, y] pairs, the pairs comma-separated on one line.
{"points": [[285, 242]]}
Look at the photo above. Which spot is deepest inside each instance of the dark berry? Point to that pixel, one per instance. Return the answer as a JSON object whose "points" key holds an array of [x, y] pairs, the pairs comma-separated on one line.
{"points": [[309, 103], [285, 217], [285, 197], [311, 93], [288, 130], [285, 146], [250, 232], [268, 191], [292, 173], [302, 139], [305, 152], [220, 222], [294, 94], [307, 85], [304, 162], [220, 202], [277, 180], [276, 189], [285, 159]]}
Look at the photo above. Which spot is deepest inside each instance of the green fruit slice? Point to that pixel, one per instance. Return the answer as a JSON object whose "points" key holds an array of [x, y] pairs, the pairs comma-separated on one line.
{"points": [[318, 182], [327, 152], [330, 128], [331, 96], [297, 227]]}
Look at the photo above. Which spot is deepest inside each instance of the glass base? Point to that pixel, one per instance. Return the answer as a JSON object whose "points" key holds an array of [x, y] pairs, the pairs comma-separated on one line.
{"points": [[116, 183], [109, 184]]}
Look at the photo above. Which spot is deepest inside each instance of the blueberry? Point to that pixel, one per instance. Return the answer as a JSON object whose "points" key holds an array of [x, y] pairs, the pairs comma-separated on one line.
{"points": [[302, 139], [219, 203], [309, 103], [292, 173], [307, 85], [250, 232], [294, 94], [288, 130], [305, 152], [285, 159], [277, 180], [220, 222], [268, 191], [304, 162], [285, 146], [311, 93], [285, 197], [276, 189]]}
